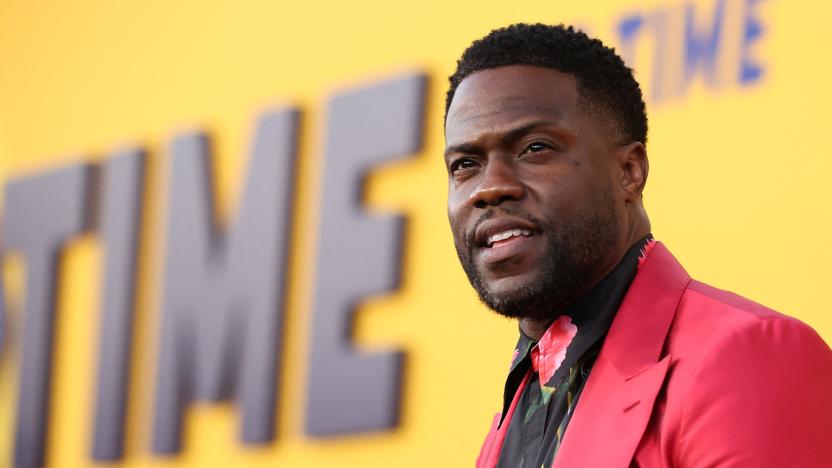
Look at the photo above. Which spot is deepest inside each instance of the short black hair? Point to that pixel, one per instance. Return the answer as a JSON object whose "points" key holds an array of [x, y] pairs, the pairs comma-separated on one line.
{"points": [[602, 77]]}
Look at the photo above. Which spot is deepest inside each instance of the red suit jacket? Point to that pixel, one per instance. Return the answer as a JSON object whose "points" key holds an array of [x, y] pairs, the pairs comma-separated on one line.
{"points": [[692, 376]]}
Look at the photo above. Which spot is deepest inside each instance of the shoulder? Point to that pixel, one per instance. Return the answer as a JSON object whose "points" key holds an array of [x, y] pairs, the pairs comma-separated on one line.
{"points": [[719, 335], [720, 329], [744, 378], [702, 296], [708, 318]]}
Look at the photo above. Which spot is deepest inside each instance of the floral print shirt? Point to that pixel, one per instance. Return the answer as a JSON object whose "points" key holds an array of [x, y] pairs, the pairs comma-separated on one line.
{"points": [[559, 365]]}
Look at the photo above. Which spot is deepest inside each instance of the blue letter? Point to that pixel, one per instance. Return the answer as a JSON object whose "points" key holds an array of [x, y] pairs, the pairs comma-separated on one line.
{"points": [[752, 31], [627, 30], [703, 47]]}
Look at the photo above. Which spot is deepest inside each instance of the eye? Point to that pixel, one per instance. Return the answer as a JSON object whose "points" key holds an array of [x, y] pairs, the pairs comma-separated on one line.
{"points": [[536, 147], [461, 164]]}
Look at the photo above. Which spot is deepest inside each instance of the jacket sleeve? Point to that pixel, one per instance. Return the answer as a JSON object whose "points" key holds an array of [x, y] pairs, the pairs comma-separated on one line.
{"points": [[762, 397]]}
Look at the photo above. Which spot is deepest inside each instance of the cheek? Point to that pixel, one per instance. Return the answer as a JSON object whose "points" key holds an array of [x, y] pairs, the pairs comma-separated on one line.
{"points": [[575, 187], [564, 199], [457, 212], [457, 225]]}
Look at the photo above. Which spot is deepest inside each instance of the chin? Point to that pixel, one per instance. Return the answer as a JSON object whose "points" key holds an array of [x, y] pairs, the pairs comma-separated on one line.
{"points": [[516, 297]]}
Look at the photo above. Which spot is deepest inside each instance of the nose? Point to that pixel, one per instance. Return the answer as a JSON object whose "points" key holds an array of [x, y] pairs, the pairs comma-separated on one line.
{"points": [[498, 184]]}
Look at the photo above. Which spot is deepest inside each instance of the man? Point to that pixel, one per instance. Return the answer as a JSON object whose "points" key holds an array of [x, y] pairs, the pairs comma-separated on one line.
{"points": [[622, 360]]}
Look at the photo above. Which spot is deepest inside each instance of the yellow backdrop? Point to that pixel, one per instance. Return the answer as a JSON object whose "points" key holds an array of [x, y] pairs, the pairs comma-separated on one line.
{"points": [[739, 184]]}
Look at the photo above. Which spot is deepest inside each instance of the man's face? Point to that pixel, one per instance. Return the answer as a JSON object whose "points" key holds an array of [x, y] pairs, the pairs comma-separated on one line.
{"points": [[532, 203]]}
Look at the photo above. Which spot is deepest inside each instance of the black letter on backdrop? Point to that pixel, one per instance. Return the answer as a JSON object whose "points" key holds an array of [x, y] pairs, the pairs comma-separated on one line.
{"points": [[120, 214], [2, 299], [42, 213], [358, 255], [223, 295]]}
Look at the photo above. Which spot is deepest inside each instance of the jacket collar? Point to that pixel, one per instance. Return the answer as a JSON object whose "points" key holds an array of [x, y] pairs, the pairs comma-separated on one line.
{"points": [[615, 405]]}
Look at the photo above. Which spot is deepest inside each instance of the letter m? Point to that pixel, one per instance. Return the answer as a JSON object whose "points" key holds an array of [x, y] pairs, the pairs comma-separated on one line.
{"points": [[223, 288]]}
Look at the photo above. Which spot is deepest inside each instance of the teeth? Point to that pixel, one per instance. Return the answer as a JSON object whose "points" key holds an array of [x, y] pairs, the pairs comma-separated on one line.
{"points": [[506, 234]]}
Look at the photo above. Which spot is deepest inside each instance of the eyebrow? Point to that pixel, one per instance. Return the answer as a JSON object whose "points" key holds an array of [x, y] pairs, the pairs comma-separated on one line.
{"points": [[509, 136]]}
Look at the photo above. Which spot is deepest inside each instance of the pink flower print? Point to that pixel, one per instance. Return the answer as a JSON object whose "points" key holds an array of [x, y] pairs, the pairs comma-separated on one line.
{"points": [[645, 251], [548, 354]]}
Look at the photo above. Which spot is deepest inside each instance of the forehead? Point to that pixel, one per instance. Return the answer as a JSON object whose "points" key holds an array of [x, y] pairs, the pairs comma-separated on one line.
{"points": [[497, 99]]}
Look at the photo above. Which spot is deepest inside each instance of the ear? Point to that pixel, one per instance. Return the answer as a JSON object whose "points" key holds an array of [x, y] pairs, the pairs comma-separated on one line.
{"points": [[633, 167]]}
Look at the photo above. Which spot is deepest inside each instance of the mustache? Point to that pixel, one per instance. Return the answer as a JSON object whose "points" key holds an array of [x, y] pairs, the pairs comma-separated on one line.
{"points": [[470, 236]]}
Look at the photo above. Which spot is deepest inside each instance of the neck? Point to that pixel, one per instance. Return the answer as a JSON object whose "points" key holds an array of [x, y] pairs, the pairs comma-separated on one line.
{"points": [[534, 328]]}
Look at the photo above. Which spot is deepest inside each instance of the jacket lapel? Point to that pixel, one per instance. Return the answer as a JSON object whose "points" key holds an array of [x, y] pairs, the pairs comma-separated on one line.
{"points": [[490, 451], [615, 405]]}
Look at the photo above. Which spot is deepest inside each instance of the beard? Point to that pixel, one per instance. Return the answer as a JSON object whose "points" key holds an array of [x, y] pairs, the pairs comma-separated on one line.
{"points": [[574, 255]]}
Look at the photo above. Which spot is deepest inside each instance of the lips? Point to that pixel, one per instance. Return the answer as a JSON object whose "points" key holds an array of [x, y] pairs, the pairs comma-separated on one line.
{"points": [[500, 239], [513, 248], [495, 230]]}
